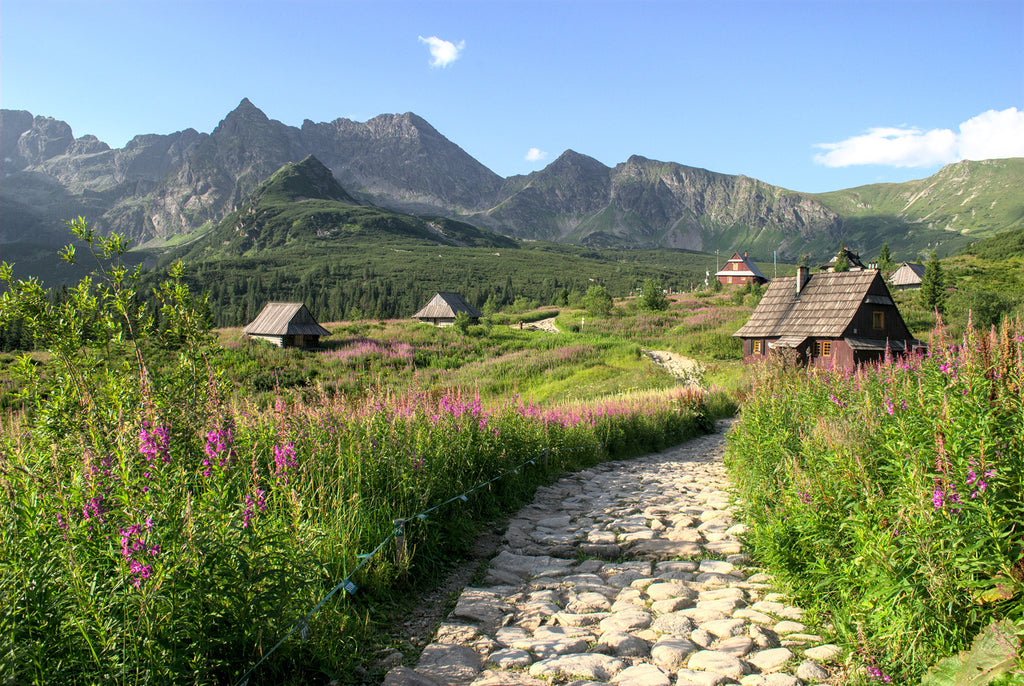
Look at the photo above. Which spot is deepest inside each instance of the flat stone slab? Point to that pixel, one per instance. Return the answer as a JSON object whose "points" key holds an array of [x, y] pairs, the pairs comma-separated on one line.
{"points": [[451, 665], [584, 665]]}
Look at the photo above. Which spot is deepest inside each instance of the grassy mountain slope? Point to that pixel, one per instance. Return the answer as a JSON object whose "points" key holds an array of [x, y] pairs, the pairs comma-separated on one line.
{"points": [[961, 203], [303, 205]]}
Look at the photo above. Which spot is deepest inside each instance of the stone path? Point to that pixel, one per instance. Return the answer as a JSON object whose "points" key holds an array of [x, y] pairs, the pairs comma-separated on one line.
{"points": [[628, 573]]}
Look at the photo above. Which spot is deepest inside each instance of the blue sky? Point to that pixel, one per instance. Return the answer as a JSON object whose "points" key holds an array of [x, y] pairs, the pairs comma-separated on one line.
{"points": [[812, 96]]}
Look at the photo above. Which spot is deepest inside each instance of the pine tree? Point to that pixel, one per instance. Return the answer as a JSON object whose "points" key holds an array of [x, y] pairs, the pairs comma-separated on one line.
{"points": [[885, 262], [933, 286]]}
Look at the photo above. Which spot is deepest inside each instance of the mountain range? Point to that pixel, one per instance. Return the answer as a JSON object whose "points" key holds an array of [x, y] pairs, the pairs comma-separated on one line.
{"points": [[165, 189]]}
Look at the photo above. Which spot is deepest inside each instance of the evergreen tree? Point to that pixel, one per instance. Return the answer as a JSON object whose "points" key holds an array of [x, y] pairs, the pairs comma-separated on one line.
{"points": [[842, 264], [885, 262], [933, 286]]}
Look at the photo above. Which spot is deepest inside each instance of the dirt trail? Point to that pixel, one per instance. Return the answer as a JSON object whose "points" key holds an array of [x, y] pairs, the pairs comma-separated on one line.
{"points": [[683, 368], [543, 325]]}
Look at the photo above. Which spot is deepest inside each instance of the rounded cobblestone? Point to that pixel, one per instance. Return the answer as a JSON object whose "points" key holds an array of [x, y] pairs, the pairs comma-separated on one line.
{"points": [[648, 620]]}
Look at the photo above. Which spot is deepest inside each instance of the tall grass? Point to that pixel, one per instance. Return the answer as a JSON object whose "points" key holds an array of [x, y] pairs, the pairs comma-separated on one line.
{"points": [[890, 498], [157, 527]]}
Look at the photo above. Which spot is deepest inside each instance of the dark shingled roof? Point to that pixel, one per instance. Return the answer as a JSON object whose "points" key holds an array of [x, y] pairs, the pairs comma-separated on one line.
{"points": [[285, 319], [825, 307], [446, 305]]}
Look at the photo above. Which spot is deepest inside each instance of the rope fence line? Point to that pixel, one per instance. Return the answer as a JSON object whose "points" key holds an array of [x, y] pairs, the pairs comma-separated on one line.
{"points": [[397, 533]]}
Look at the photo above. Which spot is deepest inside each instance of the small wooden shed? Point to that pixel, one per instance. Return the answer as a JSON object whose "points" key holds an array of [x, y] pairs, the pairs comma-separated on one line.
{"points": [[444, 307], [907, 276], [740, 271], [286, 325], [829, 319]]}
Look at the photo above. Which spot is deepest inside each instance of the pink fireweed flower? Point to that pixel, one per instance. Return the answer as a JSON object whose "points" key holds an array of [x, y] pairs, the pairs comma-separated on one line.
{"points": [[889, 406], [133, 546], [219, 452], [284, 459], [154, 443]]}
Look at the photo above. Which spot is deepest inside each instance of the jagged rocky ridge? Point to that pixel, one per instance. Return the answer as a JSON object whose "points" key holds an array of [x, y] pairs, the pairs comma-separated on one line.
{"points": [[160, 186]]}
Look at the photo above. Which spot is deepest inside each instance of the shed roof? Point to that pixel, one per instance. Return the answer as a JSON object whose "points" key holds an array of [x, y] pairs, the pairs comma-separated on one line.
{"points": [[446, 305], [285, 319], [908, 274], [824, 307]]}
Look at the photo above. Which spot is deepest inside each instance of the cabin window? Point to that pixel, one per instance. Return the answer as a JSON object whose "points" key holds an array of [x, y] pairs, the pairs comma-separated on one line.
{"points": [[728, 279], [878, 320], [823, 348], [757, 347]]}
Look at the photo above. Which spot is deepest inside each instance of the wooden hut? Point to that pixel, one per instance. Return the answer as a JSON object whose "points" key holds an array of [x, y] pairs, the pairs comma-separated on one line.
{"points": [[829, 319], [286, 325], [907, 276], [852, 259], [443, 308], [740, 271]]}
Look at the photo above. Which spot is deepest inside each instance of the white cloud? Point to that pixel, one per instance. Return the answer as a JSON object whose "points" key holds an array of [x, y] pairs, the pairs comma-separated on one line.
{"points": [[442, 52], [989, 135], [535, 154]]}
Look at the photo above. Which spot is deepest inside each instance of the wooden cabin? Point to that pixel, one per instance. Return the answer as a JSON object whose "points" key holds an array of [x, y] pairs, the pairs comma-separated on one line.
{"points": [[852, 259], [740, 271], [286, 325], [829, 319], [444, 307], [907, 276]]}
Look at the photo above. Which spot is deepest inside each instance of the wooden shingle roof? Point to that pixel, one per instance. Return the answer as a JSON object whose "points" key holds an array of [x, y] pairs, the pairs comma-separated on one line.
{"points": [[285, 319], [446, 305], [907, 275], [824, 308]]}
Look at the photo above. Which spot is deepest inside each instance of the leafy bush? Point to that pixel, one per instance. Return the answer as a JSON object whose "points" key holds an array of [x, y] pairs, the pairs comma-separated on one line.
{"points": [[155, 529], [891, 498]]}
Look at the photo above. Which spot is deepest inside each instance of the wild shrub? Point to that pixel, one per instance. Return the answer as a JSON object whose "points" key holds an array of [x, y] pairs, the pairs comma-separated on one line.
{"points": [[156, 528], [891, 497]]}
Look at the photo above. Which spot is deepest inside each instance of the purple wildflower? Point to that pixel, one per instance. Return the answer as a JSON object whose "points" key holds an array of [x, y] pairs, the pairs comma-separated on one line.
{"points": [[154, 443], [219, 452], [284, 459]]}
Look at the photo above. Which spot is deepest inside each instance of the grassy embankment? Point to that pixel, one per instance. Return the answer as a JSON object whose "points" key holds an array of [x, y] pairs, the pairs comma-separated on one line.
{"points": [[173, 511], [890, 499]]}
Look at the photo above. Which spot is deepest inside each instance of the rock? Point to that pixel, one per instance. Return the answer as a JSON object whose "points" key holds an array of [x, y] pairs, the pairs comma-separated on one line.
{"points": [[629, 620], [674, 624], [737, 646], [770, 680], [671, 652], [661, 607], [403, 676], [720, 663], [690, 677], [510, 657], [452, 665], [642, 675], [584, 665], [811, 672], [621, 644], [529, 566], [788, 627], [724, 628], [824, 653], [716, 566], [668, 590], [770, 660]]}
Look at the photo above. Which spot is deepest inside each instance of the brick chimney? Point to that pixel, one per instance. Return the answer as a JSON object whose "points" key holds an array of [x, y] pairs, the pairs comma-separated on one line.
{"points": [[803, 275]]}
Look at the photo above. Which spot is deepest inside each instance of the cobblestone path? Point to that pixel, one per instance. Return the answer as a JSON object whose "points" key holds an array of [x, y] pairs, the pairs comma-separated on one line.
{"points": [[627, 573]]}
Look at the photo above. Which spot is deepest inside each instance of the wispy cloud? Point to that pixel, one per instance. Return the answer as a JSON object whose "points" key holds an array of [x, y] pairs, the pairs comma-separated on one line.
{"points": [[990, 135], [442, 52], [535, 154]]}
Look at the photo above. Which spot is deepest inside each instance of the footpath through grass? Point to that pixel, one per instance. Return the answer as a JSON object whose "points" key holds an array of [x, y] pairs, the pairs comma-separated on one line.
{"points": [[890, 500], [165, 522]]}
